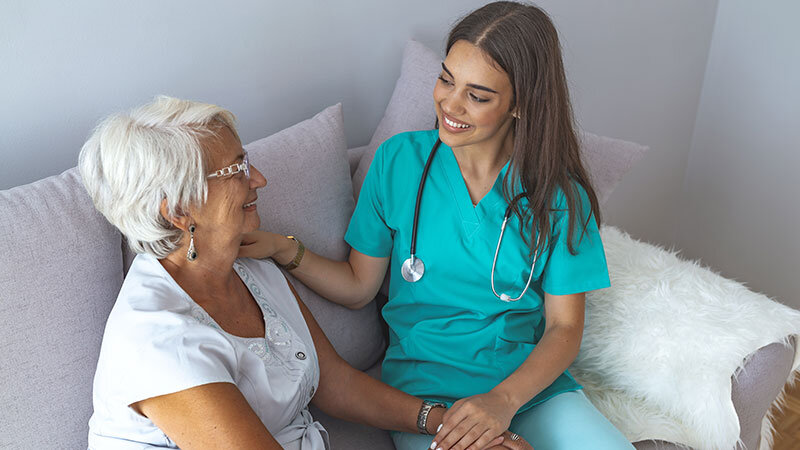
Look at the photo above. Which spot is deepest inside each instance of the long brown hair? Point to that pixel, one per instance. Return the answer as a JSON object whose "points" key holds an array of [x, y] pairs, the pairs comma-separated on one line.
{"points": [[522, 40]]}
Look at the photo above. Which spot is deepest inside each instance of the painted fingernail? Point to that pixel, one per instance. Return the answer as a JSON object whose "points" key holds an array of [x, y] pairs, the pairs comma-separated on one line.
{"points": [[433, 445], [439, 427]]}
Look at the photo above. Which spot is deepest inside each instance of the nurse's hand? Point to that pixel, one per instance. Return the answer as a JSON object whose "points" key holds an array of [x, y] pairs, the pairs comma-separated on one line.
{"points": [[473, 422], [263, 244]]}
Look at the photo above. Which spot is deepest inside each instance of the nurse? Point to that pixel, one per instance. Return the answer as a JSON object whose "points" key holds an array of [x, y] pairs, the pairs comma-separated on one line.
{"points": [[457, 337]]}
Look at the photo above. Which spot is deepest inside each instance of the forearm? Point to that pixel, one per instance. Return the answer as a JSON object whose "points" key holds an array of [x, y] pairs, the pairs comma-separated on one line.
{"points": [[554, 353], [357, 397], [352, 395], [334, 280]]}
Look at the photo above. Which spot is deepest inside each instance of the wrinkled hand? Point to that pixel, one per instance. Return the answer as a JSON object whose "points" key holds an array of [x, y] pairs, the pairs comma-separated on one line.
{"points": [[473, 423], [260, 244], [509, 444]]}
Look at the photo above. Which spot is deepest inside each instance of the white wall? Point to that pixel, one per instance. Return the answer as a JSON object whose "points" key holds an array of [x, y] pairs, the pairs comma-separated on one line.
{"points": [[742, 188], [635, 69]]}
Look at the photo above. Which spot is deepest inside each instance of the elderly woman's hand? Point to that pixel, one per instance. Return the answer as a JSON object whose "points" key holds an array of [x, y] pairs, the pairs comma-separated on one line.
{"points": [[264, 244]]}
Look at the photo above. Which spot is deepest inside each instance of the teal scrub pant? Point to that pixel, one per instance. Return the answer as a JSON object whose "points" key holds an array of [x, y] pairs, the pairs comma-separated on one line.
{"points": [[567, 421]]}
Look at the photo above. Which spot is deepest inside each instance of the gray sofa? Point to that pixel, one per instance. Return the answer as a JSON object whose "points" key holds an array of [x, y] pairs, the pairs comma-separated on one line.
{"points": [[63, 264]]}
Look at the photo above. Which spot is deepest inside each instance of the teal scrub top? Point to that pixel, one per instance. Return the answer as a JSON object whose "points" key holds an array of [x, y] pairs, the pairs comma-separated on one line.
{"points": [[450, 337]]}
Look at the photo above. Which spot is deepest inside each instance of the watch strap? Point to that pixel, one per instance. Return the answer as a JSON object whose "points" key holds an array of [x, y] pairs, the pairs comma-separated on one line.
{"points": [[422, 416], [301, 250]]}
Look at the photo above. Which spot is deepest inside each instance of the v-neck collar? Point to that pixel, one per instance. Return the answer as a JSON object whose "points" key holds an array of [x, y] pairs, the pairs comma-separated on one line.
{"points": [[471, 215]]}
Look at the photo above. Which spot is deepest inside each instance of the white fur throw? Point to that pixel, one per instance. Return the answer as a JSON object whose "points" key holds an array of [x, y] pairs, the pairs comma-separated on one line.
{"points": [[662, 342]]}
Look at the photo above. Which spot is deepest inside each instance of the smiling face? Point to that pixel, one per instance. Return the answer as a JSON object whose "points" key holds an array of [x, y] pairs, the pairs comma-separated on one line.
{"points": [[473, 99], [230, 208]]}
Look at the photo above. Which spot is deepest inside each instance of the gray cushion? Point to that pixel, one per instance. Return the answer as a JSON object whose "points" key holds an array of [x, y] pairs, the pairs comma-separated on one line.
{"points": [[354, 157], [61, 271], [607, 160], [411, 105], [127, 256], [411, 108], [309, 194]]}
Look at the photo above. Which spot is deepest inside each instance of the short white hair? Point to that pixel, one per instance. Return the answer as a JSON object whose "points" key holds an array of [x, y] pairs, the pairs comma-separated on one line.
{"points": [[133, 161]]}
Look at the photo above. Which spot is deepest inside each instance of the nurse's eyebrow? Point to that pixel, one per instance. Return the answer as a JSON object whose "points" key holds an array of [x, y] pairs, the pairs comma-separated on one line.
{"points": [[472, 85]]}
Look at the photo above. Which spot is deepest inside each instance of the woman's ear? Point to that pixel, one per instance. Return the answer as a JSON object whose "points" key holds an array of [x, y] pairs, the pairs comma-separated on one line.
{"points": [[180, 222]]}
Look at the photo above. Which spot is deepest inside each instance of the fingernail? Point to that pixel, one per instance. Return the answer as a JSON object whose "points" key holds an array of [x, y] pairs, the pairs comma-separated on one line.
{"points": [[439, 427], [433, 445]]}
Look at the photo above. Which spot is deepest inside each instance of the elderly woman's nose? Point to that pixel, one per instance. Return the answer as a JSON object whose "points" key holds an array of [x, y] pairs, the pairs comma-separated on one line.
{"points": [[257, 179]]}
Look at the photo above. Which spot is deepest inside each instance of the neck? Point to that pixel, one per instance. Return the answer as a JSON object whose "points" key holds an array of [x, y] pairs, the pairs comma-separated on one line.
{"points": [[485, 159], [210, 275]]}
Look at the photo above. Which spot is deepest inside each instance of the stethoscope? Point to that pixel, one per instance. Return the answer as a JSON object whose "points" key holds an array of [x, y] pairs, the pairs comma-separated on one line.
{"points": [[413, 268]]}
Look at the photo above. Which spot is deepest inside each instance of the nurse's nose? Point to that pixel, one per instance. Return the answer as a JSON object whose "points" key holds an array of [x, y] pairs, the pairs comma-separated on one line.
{"points": [[452, 104]]}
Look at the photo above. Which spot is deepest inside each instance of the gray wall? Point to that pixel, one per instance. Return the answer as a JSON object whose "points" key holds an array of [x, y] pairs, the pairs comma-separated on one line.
{"points": [[635, 69], [742, 191]]}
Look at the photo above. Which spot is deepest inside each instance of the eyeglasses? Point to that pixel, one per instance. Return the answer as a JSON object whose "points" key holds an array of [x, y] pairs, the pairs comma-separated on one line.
{"points": [[233, 169]]}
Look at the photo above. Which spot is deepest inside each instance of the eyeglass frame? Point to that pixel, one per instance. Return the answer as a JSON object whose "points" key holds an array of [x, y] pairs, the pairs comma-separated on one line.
{"points": [[233, 169]]}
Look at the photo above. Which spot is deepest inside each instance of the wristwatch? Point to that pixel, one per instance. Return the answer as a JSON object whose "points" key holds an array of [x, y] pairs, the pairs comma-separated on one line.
{"points": [[422, 417]]}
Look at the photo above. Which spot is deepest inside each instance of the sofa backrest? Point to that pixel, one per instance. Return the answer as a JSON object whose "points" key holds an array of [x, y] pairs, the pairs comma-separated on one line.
{"points": [[60, 271]]}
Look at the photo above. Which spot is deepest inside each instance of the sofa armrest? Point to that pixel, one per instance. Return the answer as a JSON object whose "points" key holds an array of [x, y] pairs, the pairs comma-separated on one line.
{"points": [[754, 388], [757, 384]]}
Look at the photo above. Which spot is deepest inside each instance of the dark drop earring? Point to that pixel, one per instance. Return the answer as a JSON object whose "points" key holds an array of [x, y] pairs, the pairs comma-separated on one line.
{"points": [[191, 254]]}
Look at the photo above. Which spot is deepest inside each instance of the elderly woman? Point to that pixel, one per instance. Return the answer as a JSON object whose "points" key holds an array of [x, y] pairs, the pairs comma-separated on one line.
{"points": [[203, 349]]}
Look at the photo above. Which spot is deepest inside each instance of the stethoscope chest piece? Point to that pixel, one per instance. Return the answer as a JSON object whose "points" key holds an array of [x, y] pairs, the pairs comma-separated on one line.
{"points": [[412, 269]]}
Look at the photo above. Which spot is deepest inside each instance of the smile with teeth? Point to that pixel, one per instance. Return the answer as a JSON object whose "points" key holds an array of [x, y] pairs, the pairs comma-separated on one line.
{"points": [[455, 124], [247, 205]]}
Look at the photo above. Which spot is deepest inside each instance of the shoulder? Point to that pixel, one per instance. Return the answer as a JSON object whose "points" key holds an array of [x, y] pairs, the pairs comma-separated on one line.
{"points": [[257, 272], [149, 287], [410, 145], [579, 194], [153, 312]]}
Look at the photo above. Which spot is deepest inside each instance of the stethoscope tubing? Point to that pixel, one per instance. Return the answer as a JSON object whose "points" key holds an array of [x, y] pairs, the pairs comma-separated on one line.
{"points": [[413, 268], [505, 297], [419, 200]]}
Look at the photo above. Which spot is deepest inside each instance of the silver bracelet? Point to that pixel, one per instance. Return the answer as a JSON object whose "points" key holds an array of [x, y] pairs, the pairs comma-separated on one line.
{"points": [[422, 416]]}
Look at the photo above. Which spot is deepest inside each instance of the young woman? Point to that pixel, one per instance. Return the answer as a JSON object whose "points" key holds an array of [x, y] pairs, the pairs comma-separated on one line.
{"points": [[467, 314]]}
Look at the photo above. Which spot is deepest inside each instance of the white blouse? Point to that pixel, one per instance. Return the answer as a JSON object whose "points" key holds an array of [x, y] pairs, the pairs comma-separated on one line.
{"points": [[158, 341]]}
